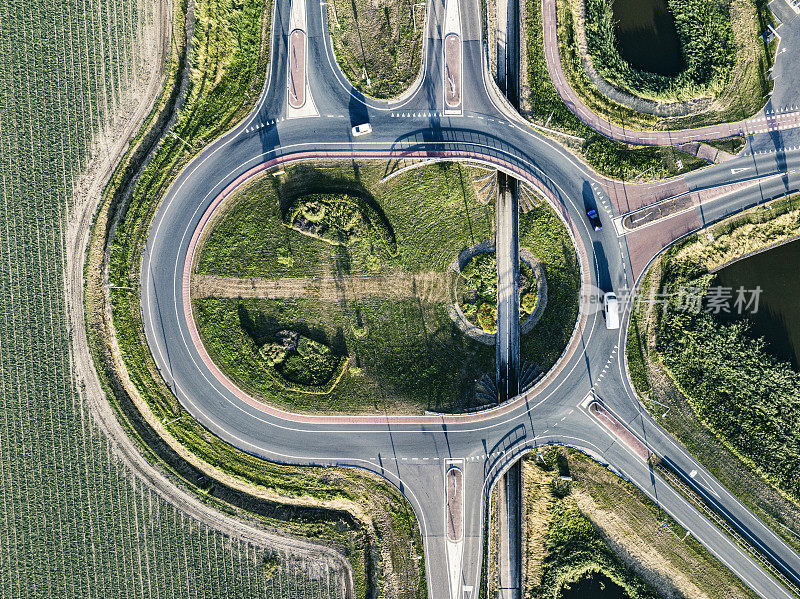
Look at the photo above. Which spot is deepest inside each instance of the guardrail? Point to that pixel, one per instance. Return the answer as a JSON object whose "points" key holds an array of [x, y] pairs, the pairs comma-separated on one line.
{"points": [[718, 520]]}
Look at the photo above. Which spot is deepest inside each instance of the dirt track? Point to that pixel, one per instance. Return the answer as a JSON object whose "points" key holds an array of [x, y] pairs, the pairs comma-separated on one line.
{"points": [[426, 286]]}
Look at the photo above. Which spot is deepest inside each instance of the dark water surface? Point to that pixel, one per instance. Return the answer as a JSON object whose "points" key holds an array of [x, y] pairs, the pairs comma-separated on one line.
{"points": [[646, 36], [594, 585], [777, 272]]}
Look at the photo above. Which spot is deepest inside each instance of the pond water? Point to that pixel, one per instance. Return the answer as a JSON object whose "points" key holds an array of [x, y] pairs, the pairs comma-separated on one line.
{"points": [[646, 36], [777, 272], [593, 585]]}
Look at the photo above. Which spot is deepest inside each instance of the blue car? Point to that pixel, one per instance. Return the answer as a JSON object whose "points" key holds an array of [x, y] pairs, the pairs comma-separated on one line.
{"points": [[594, 218]]}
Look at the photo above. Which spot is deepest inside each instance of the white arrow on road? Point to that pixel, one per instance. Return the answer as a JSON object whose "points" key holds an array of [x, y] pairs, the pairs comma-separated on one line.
{"points": [[739, 170]]}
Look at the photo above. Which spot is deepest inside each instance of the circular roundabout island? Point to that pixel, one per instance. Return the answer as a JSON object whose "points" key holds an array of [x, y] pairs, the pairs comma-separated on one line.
{"points": [[330, 287]]}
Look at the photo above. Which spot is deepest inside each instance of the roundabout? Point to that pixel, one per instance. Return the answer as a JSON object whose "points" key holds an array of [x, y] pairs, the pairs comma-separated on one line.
{"points": [[418, 453]]}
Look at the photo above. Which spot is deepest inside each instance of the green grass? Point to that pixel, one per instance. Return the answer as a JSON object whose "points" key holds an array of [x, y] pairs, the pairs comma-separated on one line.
{"points": [[575, 549], [431, 210], [411, 358], [731, 145], [76, 522], [543, 106], [380, 39]]}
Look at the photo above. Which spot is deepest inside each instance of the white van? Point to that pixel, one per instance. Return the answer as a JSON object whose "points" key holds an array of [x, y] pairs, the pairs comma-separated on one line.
{"points": [[611, 309], [362, 129]]}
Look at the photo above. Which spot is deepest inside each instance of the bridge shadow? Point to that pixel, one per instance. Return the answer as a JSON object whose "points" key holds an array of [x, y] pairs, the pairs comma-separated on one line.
{"points": [[506, 448]]}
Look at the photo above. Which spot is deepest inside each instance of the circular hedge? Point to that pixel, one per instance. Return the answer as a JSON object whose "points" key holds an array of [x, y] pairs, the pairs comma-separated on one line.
{"points": [[477, 291]]}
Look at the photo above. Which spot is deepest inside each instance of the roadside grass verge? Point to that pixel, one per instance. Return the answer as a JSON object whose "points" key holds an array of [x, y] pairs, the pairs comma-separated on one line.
{"points": [[723, 86], [749, 455], [378, 45], [706, 40], [598, 523], [573, 547], [340, 507], [542, 105]]}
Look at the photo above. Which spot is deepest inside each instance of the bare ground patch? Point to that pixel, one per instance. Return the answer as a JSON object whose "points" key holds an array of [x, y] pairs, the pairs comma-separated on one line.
{"points": [[430, 287]]}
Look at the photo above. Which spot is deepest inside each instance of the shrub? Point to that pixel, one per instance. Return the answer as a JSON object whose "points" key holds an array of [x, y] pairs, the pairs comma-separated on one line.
{"points": [[528, 303], [478, 290], [487, 317], [302, 364], [339, 219]]}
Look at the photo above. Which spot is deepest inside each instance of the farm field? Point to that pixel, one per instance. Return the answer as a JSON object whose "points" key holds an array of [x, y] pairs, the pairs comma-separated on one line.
{"points": [[74, 522], [379, 297]]}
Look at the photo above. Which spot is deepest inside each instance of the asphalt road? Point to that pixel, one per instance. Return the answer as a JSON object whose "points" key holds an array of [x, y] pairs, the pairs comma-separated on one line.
{"points": [[411, 451]]}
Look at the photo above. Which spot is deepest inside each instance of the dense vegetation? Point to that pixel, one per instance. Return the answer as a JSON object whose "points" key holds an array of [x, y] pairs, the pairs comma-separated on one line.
{"points": [[748, 83], [562, 544], [705, 33], [575, 550], [742, 392], [477, 291], [543, 105], [75, 522], [298, 363], [378, 44], [405, 354]]}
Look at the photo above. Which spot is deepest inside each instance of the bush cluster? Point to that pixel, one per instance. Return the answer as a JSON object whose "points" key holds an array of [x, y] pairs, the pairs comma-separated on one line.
{"points": [[706, 36], [302, 364], [340, 219]]}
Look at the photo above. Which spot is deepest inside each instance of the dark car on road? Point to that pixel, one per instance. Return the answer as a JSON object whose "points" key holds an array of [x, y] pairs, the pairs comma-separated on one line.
{"points": [[594, 218]]}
